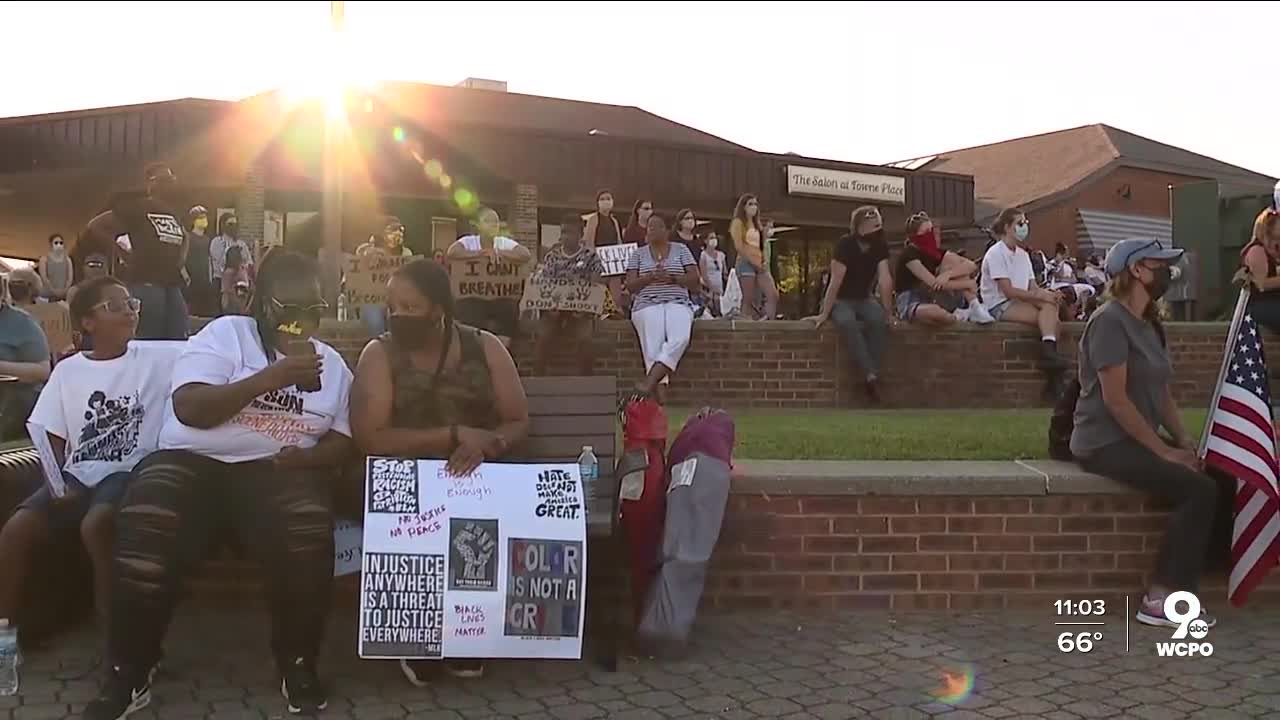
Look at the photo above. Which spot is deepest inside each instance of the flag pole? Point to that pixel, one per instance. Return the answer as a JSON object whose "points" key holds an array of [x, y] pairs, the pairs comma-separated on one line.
{"points": [[1241, 303]]}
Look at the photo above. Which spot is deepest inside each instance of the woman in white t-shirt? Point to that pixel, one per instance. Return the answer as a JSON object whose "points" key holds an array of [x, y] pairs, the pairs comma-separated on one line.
{"points": [[500, 316], [101, 413], [1009, 289], [258, 421]]}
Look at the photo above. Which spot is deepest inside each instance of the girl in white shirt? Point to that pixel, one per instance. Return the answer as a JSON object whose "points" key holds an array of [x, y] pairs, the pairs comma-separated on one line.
{"points": [[101, 412], [259, 418]]}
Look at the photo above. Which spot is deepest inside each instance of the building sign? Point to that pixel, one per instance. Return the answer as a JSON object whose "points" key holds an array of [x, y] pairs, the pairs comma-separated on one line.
{"points": [[884, 189], [490, 565]]}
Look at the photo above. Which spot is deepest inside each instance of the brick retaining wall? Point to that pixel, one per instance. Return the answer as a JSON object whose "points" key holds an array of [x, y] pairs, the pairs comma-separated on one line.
{"points": [[790, 365], [902, 536]]}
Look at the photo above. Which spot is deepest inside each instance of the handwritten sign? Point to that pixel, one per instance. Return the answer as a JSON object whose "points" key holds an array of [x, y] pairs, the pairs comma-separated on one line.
{"points": [[367, 276], [347, 538], [485, 574], [614, 258], [485, 279], [544, 293], [55, 321]]}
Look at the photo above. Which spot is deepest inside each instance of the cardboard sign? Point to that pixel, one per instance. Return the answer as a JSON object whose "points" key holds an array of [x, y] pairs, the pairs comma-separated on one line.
{"points": [[614, 258], [55, 321], [491, 565], [485, 279], [367, 277], [544, 293]]}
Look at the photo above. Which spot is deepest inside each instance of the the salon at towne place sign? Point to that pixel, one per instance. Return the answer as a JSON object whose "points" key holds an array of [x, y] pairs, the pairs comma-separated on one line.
{"points": [[883, 189]]}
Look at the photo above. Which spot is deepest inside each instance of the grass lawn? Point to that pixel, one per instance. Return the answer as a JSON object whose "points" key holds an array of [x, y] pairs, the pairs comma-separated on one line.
{"points": [[895, 434]]}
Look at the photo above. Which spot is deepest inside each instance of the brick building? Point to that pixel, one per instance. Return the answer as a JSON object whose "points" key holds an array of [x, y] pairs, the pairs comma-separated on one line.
{"points": [[430, 154], [1086, 187]]}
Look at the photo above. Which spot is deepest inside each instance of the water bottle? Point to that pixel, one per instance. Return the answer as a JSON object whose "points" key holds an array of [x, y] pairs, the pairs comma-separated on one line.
{"points": [[8, 659], [589, 468], [342, 307]]}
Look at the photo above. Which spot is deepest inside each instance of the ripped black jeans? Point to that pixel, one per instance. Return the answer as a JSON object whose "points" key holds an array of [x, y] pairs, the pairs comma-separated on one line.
{"points": [[177, 504]]}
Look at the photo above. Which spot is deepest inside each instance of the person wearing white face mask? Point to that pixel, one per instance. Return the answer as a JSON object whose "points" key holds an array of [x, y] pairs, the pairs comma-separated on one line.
{"points": [[1009, 289], [55, 269], [711, 266]]}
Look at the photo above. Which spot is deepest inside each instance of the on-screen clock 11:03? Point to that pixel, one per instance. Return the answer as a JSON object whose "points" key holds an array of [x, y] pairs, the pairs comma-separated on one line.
{"points": [[1080, 607]]}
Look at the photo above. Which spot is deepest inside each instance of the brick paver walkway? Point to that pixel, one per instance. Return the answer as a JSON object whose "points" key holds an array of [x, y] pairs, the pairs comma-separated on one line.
{"points": [[743, 666]]}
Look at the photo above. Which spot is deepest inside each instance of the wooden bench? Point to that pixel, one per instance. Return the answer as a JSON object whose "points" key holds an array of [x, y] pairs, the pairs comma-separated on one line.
{"points": [[566, 413]]}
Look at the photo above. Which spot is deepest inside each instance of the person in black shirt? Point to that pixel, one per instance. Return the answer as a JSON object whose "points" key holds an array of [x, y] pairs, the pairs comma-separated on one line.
{"points": [[150, 244], [859, 265], [935, 286]]}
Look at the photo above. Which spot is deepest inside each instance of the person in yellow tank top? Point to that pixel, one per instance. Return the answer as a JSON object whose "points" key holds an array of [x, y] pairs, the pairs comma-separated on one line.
{"points": [[752, 268]]}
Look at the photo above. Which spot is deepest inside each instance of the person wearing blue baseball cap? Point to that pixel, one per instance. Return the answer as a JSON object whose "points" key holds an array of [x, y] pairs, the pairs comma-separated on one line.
{"points": [[1126, 400]]}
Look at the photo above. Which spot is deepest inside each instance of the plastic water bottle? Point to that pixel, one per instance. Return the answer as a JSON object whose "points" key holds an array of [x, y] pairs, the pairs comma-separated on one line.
{"points": [[342, 307], [8, 659], [589, 468]]}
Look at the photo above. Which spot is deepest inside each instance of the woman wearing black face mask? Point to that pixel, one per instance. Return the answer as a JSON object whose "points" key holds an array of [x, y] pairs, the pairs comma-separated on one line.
{"points": [[431, 388], [1126, 399]]}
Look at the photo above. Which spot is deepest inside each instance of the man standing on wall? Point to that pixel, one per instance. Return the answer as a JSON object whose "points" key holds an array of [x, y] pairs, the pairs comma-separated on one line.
{"points": [[146, 235]]}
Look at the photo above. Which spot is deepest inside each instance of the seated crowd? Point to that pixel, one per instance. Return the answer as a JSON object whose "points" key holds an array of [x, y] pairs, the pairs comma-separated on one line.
{"points": [[259, 412]]}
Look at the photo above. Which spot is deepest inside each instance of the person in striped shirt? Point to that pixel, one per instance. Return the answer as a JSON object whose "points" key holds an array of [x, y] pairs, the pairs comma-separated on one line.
{"points": [[660, 276]]}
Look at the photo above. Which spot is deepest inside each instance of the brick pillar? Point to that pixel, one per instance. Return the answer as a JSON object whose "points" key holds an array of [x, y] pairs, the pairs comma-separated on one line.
{"points": [[250, 209], [524, 217]]}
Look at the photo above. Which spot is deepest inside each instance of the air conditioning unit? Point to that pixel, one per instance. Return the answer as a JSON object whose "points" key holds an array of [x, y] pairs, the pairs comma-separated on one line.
{"points": [[483, 84]]}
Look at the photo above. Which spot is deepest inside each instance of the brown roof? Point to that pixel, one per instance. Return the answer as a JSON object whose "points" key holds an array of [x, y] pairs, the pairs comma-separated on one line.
{"points": [[1034, 170]]}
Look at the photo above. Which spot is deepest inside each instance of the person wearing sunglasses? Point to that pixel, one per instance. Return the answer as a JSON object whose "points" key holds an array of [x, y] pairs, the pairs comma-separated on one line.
{"points": [[149, 243], [56, 271], [935, 286], [1126, 400], [1259, 260], [258, 421], [1011, 292], [433, 388], [102, 411], [24, 364]]}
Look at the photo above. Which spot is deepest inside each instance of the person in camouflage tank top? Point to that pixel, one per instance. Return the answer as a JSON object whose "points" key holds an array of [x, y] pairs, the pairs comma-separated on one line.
{"points": [[431, 388]]}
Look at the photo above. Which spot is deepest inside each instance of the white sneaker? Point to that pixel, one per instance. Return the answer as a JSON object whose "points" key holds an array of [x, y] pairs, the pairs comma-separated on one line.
{"points": [[963, 314], [979, 314]]}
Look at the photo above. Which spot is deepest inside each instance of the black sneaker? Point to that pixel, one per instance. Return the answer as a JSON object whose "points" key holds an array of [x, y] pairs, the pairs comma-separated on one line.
{"points": [[302, 688], [123, 694]]}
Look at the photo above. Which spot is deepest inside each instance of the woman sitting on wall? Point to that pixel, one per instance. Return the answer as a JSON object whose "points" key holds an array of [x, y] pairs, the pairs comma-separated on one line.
{"points": [[935, 286], [431, 388], [1126, 398], [102, 411], [259, 418], [661, 275]]}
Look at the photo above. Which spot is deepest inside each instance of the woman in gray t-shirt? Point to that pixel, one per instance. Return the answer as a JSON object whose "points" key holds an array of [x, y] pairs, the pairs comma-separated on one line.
{"points": [[1125, 399]]}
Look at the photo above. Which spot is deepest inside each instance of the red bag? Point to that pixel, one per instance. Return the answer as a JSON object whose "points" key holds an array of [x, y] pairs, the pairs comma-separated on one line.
{"points": [[645, 428]]}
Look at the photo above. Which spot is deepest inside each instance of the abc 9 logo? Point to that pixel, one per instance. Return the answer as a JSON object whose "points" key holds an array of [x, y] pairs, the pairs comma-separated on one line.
{"points": [[1189, 622]]}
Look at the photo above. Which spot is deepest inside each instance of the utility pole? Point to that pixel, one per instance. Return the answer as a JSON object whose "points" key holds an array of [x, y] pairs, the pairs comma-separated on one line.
{"points": [[333, 165]]}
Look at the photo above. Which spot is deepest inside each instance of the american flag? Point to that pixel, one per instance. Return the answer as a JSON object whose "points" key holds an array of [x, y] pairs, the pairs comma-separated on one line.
{"points": [[1242, 443]]}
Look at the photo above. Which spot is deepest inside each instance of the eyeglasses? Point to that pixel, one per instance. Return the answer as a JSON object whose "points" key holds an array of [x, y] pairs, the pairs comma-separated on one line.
{"points": [[94, 264], [119, 305], [922, 215], [58, 243]]}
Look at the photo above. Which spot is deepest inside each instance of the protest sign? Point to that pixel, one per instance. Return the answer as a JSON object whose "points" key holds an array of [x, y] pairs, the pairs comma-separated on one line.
{"points": [[367, 276], [614, 258], [546, 293], [55, 321], [485, 279], [490, 565], [347, 537]]}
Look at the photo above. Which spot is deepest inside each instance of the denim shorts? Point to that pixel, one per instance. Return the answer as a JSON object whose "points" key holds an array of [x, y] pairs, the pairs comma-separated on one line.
{"points": [[745, 269], [908, 302], [67, 515], [998, 311]]}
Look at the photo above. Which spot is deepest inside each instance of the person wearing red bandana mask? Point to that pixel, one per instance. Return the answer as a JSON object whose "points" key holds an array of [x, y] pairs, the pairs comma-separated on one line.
{"points": [[935, 286]]}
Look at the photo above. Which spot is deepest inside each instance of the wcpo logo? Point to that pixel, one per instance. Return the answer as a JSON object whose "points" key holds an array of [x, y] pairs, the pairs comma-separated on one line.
{"points": [[1189, 625]]}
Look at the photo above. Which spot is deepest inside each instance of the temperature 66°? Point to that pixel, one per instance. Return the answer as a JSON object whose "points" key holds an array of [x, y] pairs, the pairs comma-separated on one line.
{"points": [[1078, 641]]}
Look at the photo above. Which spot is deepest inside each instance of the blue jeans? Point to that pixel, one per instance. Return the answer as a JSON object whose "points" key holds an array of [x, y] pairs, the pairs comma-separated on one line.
{"points": [[865, 329], [163, 315]]}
